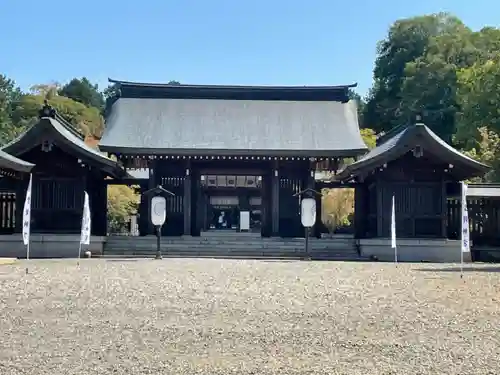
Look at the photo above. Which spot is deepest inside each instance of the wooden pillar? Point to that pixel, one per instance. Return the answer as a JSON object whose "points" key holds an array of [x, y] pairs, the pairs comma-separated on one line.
{"points": [[310, 181], [360, 211], [380, 209], [195, 201], [266, 229], [204, 210], [318, 227], [143, 211], [275, 201], [98, 196], [187, 200], [444, 209], [152, 183]]}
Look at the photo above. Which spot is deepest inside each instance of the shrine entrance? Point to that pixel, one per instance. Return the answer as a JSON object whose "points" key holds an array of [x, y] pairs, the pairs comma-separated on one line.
{"points": [[226, 197]]}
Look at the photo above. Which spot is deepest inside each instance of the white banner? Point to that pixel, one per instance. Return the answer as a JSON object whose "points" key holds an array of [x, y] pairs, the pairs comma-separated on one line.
{"points": [[27, 216], [85, 238], [465, 221], [393, 224]]}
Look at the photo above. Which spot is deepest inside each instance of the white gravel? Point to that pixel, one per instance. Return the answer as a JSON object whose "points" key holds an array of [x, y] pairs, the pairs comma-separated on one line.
{"points": [[195, 316]]}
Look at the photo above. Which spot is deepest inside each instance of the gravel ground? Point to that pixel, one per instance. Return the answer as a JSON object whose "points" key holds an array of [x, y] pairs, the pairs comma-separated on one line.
{"points": [[194, 316]]}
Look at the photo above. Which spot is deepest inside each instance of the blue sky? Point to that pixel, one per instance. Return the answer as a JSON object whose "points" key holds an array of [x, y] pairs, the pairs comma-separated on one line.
{"points": [[273, 42]]}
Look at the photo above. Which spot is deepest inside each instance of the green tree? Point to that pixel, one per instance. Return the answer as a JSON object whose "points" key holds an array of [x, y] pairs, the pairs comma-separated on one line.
{"points": [[478, 121], [430, 82], [407, 41], [83, 91], [478, 95], [487, 151], [9, 99], [87, 119], [369, 137], [122, 204], [353, 95]]}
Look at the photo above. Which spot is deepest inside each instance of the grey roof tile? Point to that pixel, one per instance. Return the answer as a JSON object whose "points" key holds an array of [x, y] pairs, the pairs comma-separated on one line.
{"points": [[233, 125], [400, 143]]}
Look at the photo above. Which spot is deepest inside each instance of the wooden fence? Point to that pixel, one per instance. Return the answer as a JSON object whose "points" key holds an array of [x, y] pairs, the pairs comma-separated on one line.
{"points": [[484, 219], [7, 212]]}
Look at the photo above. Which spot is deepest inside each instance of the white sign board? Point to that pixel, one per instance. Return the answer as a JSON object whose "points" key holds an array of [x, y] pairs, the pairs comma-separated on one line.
{"points": [[308, 212], [244, 220], [158, 211]]}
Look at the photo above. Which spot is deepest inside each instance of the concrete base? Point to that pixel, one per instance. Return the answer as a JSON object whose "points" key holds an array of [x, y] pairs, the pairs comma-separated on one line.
{"points": [[414, 250], [49, 246]]}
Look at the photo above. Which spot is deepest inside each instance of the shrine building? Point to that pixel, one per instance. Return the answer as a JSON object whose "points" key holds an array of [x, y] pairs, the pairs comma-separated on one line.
{"points": [[231, 148], [222, 150]]}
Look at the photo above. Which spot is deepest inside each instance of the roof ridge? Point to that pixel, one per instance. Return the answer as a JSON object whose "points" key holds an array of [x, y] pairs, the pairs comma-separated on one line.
{"points": [[49, 111], [383, 137], [230, 87], [69, 126]]}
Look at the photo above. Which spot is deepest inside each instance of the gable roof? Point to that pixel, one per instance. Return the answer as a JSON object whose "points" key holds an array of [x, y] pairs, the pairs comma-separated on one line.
{"points": [[233, 120], [65, 136], [403, 142]]}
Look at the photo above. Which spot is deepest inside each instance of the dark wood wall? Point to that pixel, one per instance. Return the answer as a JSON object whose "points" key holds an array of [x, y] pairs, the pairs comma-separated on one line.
{"points": [[419, 188], [59, 182], [171, 175], [280, 210], [293, 179]]}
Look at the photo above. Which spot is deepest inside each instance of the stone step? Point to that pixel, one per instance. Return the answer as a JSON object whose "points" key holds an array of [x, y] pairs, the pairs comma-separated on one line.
{"points": [[166, 240], [228, 250], [214, 253], [231, 248], [342, 257], [247, 243], [232, 245]]}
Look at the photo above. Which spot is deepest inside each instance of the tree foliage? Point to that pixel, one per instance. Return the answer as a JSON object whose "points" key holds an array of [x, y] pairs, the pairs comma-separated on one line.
{"points": [[80, 103], [479, 100], [122, 204], [87, 119], [83, 91], [9, 97], [369, 137], [337, 208], [407, 40], [437, 67]]}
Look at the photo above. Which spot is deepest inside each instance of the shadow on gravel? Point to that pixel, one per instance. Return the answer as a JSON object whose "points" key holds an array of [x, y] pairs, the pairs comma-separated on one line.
{"points": [[457, 269]]}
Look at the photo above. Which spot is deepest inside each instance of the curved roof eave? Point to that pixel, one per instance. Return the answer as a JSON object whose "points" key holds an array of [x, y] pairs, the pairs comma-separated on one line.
{"points": [[10, 162], [401, 143], [28, 139]]}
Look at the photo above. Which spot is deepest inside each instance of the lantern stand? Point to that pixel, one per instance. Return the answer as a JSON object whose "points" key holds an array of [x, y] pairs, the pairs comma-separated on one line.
{"points": [[158, 212], [307, 213]]}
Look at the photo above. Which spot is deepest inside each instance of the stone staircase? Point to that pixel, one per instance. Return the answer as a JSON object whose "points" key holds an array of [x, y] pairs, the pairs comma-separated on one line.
{"points": [[233, 245]]}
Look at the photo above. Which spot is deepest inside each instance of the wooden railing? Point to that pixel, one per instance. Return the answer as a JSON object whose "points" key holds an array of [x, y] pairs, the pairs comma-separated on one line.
{"points": [[484, 219], [7, 212]]}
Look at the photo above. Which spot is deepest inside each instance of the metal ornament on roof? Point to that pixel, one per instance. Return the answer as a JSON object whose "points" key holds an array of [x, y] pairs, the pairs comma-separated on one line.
{"points": [[47, 110]]}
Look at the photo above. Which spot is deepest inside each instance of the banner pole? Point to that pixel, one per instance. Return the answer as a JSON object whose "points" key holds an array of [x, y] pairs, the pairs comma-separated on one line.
{"points": [[27, 255], [79, 253]]}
